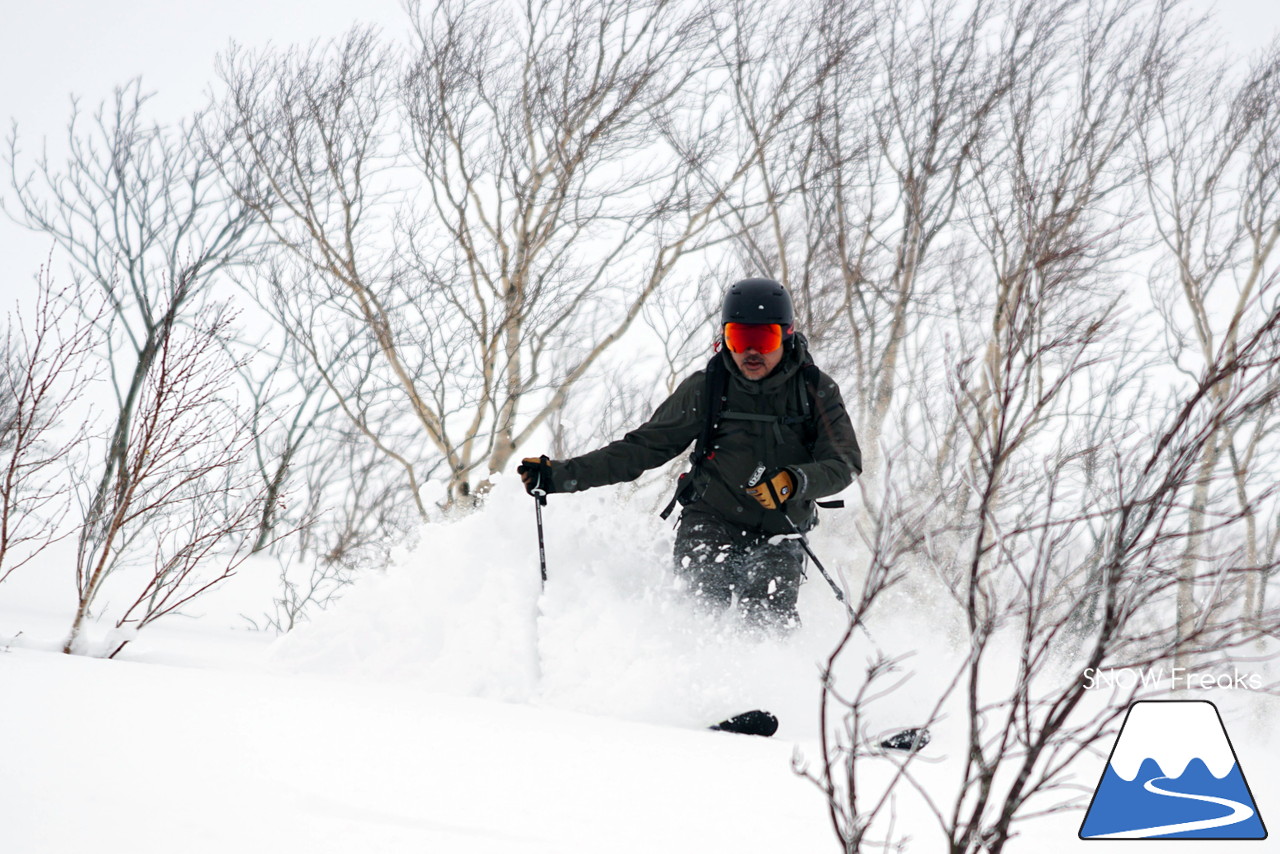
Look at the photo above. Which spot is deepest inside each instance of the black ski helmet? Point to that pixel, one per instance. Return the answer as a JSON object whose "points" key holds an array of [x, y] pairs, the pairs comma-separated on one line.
{"points": [[758, 301]]}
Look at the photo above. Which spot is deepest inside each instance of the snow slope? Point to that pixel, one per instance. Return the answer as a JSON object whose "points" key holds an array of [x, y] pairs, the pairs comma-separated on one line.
{"points": [[613, 634], [116, 757], [446, 705], [451, 705]]}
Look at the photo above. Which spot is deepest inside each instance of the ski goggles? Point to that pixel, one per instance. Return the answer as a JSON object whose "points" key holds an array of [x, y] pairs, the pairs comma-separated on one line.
{"points": [[761, 337]]}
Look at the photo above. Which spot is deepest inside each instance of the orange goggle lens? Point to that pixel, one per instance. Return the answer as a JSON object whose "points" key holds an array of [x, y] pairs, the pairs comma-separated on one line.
{"points": [[761, 337]]}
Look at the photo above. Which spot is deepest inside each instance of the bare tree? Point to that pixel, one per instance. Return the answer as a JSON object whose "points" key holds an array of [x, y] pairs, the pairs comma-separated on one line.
{"points": [[845, 738], [1070, 478], [1028, 565], [1254, 476], [1212, 166], [182, 488], [899, 105], [298, 455], [538, 167], [139, 212], [1054, 190], [44, 369], [795, 76]]}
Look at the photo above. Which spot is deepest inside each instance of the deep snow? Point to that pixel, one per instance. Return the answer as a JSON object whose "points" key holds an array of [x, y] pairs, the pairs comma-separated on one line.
{"points": [[612, 634], [106, 756], [452, 705]]}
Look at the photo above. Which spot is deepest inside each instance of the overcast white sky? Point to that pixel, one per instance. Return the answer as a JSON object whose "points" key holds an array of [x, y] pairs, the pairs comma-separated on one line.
{"points": [[50, 49]]}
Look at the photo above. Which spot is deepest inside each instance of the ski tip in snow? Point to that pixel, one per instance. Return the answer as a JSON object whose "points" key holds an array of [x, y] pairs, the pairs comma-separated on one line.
{"points": [[754, 722], [909, 740]]}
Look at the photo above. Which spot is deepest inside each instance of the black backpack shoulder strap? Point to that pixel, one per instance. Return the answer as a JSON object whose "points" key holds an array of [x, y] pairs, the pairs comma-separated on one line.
{"points": [[810, 378], [814, 412], [713, 394], [810, 408]]}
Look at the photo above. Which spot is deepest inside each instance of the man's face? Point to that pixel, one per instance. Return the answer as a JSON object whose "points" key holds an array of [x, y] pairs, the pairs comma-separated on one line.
{"points": [[747, 353]]}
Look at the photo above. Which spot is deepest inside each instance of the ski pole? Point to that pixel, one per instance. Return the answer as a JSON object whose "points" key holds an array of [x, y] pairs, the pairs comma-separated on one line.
{"points": [[756, 477], [804, 543], [540, 498]]}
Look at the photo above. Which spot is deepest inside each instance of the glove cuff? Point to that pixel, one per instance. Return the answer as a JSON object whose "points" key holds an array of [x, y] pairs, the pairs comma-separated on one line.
{"points": [[799, 482]]}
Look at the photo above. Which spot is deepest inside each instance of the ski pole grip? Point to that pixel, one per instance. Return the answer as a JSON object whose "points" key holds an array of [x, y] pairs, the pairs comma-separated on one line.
{"points": [[539, 491]]}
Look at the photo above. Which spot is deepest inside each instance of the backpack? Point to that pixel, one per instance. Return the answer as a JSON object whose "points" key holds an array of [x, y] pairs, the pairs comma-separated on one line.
{"points": [[713, 398]]}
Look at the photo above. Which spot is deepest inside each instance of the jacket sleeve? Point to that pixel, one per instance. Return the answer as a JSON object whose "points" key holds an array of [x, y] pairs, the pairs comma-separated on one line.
{"points": [[837, 459], [675, 424]]}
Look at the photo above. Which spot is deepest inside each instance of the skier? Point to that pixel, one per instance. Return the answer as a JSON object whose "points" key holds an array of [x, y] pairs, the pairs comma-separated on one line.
{"points": [[771, 437]]}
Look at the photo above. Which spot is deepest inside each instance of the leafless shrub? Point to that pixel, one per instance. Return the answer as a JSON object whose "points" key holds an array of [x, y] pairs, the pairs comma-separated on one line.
{"points": [[523, 249], [1028, 566], [139, 212], [45, 365], [182, 495], [1212, 170], [1075, 486]]}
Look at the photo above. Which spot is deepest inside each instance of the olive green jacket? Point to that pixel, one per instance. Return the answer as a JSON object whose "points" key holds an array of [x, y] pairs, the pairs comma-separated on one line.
{"points": [[821, 467]]}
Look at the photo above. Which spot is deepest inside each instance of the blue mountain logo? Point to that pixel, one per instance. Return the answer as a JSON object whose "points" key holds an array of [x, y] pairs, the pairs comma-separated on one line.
{"points": [[1173, 774]]}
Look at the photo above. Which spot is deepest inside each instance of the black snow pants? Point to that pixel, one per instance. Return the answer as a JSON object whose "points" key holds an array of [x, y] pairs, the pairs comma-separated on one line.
{"points": [[722, 562]]}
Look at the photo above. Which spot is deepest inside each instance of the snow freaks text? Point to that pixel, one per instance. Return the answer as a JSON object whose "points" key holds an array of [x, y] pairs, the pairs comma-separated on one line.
{"points": [[1174, 678]]}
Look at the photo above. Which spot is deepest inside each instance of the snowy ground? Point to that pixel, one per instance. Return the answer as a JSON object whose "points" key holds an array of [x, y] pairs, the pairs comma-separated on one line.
{"points": [[450, 705], [103, 756]]}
